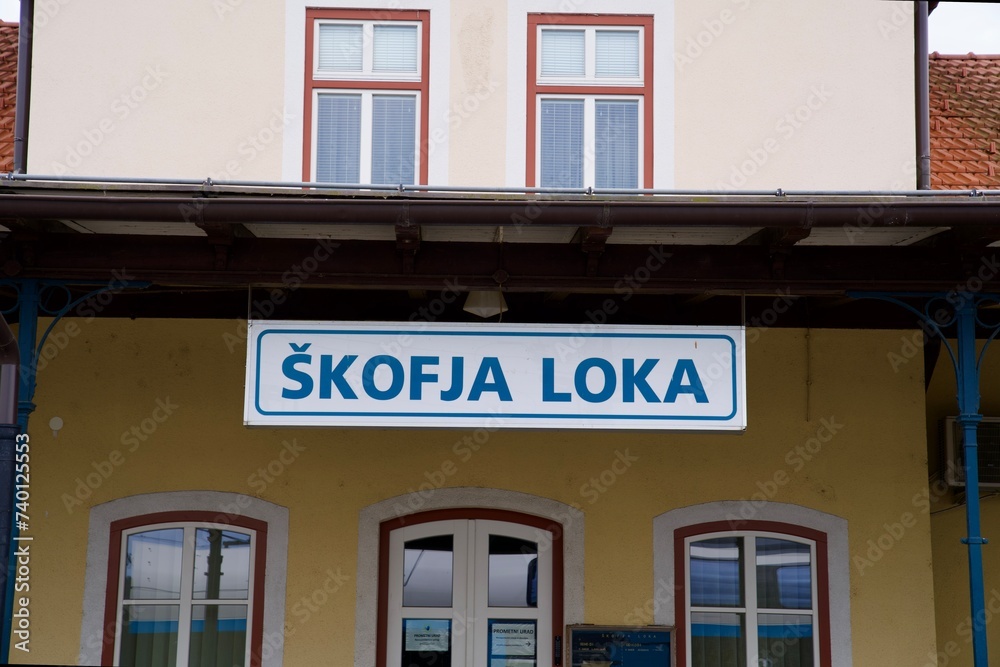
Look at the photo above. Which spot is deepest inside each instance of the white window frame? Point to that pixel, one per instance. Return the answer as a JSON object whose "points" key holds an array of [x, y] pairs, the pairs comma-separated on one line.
{"points": [[186, 601], [590, 77], [750, 610], [589, 139], [367, 72], [365, 157]]}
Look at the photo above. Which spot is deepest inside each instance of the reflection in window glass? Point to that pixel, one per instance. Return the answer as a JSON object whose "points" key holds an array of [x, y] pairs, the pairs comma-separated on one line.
{"points": [[149, 636], [218, 635], [785, 640], [427, 572], [153, 565], [221, 564], [717, 572], [718, 640], [784, 574], [513, 572]]}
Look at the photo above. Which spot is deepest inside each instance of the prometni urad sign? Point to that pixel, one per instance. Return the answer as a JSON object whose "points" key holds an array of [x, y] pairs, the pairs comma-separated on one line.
{"points": [[509, 375]]}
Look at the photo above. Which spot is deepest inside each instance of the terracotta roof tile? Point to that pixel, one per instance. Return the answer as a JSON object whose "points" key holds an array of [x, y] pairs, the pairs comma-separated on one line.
{"points": [[8, 93], [965, 121]]}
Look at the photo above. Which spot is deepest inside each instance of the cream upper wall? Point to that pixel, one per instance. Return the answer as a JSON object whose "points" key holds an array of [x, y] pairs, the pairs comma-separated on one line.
{"points": [[743, 65], [479, 87], [216, 89], [177, 89]]}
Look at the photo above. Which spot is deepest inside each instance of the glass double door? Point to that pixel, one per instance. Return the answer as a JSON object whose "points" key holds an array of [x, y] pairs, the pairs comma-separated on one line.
{"points": [[470, 593]]}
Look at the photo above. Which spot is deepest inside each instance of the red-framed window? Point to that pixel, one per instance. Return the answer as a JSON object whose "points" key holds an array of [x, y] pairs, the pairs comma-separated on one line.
{"points": [[425, 545], [366, 103], [759, 595], [590, 101], [185, 588]]}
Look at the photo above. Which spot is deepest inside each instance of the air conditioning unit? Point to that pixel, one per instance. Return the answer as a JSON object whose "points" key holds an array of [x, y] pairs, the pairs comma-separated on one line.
{"points": [[988, 440]]}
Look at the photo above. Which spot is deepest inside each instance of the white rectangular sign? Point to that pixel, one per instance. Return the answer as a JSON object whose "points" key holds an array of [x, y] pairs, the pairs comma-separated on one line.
{"points": [[495, 375]]}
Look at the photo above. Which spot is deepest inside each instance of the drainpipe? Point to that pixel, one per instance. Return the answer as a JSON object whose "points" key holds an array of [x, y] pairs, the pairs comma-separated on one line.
{"points": [[23, 103], [922, 86]]}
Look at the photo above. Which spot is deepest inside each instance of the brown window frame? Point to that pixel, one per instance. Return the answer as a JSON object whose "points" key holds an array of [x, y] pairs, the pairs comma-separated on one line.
{"points": [[151, 521], [313, 84], [792, 530], [644, 91]]}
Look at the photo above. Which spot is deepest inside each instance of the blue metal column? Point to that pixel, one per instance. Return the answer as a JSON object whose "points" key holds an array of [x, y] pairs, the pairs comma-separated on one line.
{"points": [[967, 380], [27, 331]]}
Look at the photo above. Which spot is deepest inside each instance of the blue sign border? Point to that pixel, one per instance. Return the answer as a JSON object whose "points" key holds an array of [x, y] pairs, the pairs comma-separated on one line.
{"points": [[495, 415]]}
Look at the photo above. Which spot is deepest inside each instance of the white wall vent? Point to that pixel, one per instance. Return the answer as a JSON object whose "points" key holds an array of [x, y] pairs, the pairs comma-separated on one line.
{"points": [[988, 439]]}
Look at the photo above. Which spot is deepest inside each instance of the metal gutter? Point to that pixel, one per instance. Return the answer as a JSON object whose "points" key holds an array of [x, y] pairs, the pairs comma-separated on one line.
{"points": [[16, 180], [22, 105]]}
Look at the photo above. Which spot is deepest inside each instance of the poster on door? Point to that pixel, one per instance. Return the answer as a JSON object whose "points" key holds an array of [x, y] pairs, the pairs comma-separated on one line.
{"points": [[513, 643], [426, 635]]}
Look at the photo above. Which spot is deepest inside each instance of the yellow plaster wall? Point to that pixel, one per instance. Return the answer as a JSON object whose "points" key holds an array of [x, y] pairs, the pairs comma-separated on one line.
{"points": [[111, 374]]}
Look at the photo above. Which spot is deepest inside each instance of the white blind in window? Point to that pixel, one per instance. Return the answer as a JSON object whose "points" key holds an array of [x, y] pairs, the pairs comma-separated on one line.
{"points": [[394, 119], [563, 53], [338, 139], [340, 47], [616, 144], [617, 53], [395, 48], [561, 144]]}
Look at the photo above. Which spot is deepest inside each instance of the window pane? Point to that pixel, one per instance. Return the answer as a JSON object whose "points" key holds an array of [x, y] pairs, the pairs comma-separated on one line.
{"points": [[221, 564], [784, 574], [153, 565], [394, 121], [341, 48], [717, 572], [616, 144], [513, 578], [149, 636], [563, 53], [338, 139], [427, 572], [617, 53], [785, 640], [218, 635], [562, 144], [395, 48], [718, 640]]}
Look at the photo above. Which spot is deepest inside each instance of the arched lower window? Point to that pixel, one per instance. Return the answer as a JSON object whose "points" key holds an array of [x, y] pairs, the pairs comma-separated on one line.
{"points": [[754, 596], [185, 589], [470, 588]]}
